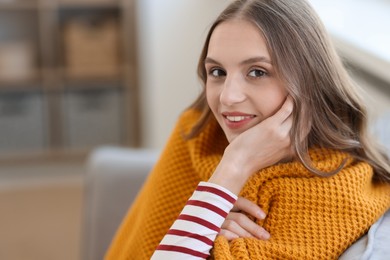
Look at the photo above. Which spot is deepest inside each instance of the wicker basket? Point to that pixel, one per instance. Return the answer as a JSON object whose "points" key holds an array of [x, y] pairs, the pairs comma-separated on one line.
{"points": [[91, 48]]}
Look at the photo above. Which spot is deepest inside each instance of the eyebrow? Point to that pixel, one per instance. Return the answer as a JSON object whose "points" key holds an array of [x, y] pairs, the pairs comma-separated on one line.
{"points": [[247, 61]]}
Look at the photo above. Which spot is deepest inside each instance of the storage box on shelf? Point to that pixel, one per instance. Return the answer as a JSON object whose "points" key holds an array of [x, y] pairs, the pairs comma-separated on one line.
{"points": [[22, 121], [92, 116], [91, 46], [19, 44], [67, 77]]}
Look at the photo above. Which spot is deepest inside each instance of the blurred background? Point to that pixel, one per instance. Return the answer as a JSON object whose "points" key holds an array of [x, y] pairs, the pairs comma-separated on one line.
{"points": [[76, 75]]}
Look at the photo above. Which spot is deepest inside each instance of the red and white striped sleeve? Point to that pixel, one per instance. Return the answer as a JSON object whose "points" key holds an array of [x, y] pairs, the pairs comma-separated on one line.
{"points": [[193, 233]]}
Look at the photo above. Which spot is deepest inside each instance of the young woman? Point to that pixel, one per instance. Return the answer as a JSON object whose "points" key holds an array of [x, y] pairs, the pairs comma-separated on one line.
{"points": [[274, 154]]}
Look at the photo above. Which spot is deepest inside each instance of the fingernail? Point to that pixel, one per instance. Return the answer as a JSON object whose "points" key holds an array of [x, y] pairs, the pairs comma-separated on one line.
{"points": [[261, 215], [266, 235]]}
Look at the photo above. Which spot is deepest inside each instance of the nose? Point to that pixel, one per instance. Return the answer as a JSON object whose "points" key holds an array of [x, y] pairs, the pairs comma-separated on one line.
{"points": [[233, 91]]}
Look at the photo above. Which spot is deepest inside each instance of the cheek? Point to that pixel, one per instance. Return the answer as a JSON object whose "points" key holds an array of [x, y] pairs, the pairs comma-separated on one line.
{"points": [[212, 99], [273, 100]]}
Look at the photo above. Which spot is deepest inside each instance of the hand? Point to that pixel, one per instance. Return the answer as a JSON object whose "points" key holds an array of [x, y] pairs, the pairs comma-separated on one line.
{"points": [[264, 144], [237, 224], [258, 147]]}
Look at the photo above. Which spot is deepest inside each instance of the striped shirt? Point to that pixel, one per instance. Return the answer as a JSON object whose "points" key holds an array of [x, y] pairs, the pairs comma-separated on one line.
{"points": [[193, 233]]}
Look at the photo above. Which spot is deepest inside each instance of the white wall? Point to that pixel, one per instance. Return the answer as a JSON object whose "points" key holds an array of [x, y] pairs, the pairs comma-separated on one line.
{"points": [[171, 35], [361, 31]]}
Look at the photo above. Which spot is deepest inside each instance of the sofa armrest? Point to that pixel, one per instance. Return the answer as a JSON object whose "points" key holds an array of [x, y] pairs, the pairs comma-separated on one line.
{"points": [[113, 179]]}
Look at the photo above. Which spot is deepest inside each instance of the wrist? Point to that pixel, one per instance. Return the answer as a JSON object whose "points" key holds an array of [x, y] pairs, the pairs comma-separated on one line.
{"points": [[230, 176]]}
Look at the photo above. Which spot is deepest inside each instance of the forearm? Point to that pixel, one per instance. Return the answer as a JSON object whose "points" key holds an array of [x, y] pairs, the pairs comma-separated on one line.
{"points": [[192, 235]]}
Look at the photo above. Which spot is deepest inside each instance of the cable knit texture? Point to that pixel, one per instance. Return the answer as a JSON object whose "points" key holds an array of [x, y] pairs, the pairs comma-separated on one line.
{"points": [[308, 217]]}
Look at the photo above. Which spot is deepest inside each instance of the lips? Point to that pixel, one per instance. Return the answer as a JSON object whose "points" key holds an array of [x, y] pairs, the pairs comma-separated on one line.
{"points": [[235, 120]]}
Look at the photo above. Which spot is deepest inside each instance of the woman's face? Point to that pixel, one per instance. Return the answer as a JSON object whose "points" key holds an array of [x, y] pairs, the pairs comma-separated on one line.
{"points": [[242, 87]]}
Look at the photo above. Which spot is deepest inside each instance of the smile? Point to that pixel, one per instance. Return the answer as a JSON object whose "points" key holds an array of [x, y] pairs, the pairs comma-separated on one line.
{"points": [[238, 118]]}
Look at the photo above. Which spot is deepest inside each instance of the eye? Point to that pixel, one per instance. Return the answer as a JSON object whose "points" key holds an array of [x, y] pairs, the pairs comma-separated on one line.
{"points": [[257, 73], [216, 72]]}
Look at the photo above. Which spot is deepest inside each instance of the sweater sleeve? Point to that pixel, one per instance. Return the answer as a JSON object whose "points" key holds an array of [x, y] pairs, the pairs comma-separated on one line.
{"points": [[193, 233]]}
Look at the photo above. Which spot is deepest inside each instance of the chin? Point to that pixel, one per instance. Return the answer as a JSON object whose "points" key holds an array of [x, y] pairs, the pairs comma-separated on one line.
{"points": [[230, 137]]}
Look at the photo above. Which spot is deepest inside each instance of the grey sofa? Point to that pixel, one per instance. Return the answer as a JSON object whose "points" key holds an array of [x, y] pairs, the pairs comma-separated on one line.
{"points": [[114, 176]]}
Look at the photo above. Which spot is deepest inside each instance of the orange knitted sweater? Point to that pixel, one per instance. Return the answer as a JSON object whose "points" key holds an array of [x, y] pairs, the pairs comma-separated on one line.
{"points": [[308, 217]]}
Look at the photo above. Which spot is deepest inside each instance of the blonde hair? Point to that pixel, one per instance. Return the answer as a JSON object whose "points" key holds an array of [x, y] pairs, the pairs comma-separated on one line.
{"points": [[325, 99]]}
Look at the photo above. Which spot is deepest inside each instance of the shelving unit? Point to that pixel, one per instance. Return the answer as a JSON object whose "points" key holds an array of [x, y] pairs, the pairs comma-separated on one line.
{"points": [[67, 77]]}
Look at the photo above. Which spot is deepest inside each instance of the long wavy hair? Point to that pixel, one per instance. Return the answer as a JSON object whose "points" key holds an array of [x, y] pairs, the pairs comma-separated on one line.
{"points": [[326, 101]]}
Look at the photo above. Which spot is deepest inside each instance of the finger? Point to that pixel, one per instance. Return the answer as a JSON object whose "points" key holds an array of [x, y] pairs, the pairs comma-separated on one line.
{"points": [[285, 127], [236, 228], [285, 111], [243, 226], [247, 206], [228, 234]]}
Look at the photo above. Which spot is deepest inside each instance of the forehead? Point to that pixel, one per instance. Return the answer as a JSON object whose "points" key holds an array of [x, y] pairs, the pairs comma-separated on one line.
{"points": [[239, 39]]}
